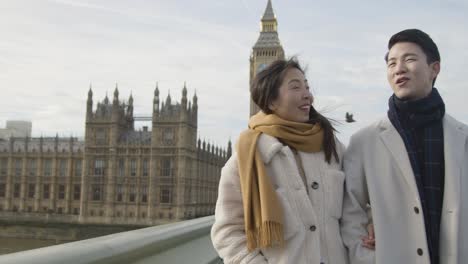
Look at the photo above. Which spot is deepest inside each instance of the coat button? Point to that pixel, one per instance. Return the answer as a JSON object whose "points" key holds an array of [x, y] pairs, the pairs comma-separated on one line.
{"points": [[416, 210], [420, 252], [312, 228], [315, 185]]}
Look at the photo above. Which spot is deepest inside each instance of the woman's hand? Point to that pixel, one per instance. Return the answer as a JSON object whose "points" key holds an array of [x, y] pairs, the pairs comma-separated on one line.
{"points": [[369, 240]]}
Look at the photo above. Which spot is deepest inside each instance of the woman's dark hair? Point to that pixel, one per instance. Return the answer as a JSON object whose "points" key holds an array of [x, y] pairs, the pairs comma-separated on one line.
{"points": [[264, 89]]}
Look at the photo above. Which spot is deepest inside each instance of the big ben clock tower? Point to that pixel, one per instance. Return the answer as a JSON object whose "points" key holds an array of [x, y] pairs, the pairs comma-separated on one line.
{"points": [[267, 48]]}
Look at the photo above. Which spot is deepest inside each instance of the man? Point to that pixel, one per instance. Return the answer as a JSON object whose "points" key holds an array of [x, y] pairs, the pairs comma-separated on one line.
{"points": [[411, 167]]}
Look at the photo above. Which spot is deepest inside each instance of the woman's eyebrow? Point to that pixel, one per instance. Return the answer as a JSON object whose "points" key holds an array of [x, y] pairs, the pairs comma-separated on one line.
{"points": [[295, 80]]}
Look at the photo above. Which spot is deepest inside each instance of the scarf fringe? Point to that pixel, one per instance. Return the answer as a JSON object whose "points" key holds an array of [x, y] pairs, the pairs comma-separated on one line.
{"points": [[267, 235]]}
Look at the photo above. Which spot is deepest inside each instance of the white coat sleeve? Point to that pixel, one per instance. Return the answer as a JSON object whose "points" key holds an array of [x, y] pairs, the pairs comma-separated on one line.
{"points": [[356, 198], [228, 231]]}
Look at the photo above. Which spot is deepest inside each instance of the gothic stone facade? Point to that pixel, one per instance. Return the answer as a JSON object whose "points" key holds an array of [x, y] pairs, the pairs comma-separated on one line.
{"points": [[117, 175]]}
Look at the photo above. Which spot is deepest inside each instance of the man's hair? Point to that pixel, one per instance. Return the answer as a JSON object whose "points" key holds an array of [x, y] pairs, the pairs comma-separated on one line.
{"points": [[420, 38]]}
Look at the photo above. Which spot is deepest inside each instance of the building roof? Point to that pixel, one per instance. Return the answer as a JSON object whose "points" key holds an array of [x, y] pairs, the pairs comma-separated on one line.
{"points": [[268, 40], [269, 13], [64, 144]]}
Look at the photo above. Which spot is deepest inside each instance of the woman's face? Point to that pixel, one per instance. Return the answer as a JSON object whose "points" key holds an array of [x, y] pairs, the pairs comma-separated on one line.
{"points": [[294, 98]]}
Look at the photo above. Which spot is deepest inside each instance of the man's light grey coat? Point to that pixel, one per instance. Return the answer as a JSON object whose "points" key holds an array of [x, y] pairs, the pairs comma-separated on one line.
{"points": [[378, 171]]}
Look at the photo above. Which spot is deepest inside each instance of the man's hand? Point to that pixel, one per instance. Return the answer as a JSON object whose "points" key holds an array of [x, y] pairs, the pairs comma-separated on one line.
{"points": [[369, 240]]}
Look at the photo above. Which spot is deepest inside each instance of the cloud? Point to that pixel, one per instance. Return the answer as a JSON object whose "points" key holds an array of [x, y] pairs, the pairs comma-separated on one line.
{"points": [[51, 52]]}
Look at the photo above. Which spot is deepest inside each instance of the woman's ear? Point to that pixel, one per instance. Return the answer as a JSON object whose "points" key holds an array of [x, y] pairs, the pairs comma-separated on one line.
{"points": [[272, 106]]}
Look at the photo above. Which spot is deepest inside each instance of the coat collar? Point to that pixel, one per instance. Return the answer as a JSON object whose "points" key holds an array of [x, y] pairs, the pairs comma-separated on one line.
{"points": [[455, 134], [395, 145], [268, 146]]}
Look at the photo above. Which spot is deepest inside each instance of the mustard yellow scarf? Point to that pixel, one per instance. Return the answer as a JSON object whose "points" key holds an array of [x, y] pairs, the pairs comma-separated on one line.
{"points": [[263, 215]]}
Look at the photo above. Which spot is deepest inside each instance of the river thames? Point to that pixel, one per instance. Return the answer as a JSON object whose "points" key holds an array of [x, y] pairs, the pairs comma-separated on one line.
{"points": [[10, 245]]}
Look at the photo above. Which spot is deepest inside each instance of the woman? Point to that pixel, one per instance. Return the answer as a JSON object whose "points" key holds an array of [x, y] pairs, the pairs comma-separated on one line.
{"points": [[280, 194]]}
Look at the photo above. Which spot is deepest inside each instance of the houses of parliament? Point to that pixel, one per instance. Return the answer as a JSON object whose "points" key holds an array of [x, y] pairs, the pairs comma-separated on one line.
{"points": [[120, 175]]}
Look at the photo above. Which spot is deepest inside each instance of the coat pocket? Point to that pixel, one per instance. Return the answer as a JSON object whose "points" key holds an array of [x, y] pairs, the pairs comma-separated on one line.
{"points": [[334, 180], [290, 217]]}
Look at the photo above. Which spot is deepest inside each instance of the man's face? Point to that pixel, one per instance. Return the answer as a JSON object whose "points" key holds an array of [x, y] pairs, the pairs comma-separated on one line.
{"points": [[408, 72]]}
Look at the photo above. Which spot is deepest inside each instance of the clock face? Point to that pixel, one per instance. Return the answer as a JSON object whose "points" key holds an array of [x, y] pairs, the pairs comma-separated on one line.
{"points": [[261, 67]]}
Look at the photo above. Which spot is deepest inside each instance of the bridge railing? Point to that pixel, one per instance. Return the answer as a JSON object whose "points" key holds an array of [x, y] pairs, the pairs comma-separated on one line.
{"points": [[182, 242]]}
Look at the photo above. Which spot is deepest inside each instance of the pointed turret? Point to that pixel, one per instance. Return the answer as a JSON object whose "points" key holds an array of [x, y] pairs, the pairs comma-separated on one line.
{"points": [[116, 95], [90, 92], [168, 99], [156, 99], [130, 106], [194, 108], [267, 49], [195, 101], [269, 22], [229, 149], [106, 99], [269, 30], [184, 96], [269, 14], [89, 104], [115, 105], [184, 91]]}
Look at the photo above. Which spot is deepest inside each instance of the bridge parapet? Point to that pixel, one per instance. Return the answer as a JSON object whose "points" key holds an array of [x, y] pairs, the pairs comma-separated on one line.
{"points": [[178, 243]]}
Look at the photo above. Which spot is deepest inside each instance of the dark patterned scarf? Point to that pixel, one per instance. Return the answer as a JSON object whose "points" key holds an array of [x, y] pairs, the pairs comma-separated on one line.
{"points": [[419, 124]]}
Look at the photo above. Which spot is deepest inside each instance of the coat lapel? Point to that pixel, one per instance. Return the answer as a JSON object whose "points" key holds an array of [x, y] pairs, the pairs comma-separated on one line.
{"points": [[454, 148], [395, 145]]}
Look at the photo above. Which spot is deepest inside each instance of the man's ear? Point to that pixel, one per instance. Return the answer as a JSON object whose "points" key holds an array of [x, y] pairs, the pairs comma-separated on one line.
{"points": [[435, 67]]}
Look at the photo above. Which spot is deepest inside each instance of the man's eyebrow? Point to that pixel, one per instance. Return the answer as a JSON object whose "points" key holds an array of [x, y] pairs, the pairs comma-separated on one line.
{"points": [[410, 54], [404, 56]]}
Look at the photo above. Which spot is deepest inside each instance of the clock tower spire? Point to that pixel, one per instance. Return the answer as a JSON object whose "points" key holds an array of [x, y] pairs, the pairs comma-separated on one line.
{"points": [[267, 49]]}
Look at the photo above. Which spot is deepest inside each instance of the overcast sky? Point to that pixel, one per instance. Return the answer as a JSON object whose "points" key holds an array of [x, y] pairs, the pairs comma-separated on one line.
{"points": [[51, 50]]}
